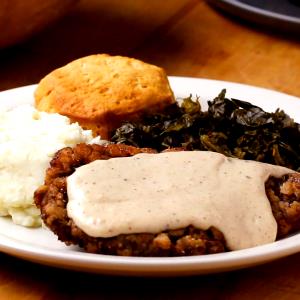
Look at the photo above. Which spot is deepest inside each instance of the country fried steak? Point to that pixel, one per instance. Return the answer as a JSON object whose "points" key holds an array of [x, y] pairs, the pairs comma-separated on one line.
{"points": [[283, 194]]}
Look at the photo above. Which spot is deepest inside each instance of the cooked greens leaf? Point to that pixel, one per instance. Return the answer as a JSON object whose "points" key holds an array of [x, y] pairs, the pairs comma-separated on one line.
{"points": [[230, 126]]}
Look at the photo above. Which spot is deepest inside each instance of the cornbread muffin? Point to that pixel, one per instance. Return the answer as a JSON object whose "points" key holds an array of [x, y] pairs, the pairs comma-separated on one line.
{"points": [[100, 91]]}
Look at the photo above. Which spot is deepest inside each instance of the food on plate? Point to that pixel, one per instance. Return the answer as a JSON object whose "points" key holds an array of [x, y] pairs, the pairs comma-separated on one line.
{"points": [[122, 200], [28, 141], [229, 126], [100, 91], [147, 192]]}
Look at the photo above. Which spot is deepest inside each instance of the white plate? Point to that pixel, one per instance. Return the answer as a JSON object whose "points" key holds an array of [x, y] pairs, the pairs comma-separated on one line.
{"points": [[41, 246]]}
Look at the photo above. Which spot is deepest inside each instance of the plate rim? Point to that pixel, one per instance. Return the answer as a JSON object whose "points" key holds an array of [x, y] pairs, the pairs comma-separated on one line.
{"points": [[250, 13]]}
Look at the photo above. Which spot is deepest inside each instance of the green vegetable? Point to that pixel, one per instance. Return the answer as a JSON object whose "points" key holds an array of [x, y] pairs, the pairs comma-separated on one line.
{"points": [[233, 127]]}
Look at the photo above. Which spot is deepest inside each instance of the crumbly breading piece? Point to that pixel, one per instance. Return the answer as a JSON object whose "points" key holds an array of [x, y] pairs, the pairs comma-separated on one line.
{"points": [[283, 194], [100, 91]]}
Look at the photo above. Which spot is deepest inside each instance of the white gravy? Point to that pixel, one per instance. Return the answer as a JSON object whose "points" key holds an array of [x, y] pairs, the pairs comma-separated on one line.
{"points": [[155, 192]]}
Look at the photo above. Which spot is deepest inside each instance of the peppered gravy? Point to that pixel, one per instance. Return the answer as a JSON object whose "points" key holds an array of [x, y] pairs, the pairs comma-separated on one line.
{"points": [[156, 192]]}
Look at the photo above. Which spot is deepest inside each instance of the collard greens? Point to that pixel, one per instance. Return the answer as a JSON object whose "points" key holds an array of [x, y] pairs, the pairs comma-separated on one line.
{"points": [[233, 127]]}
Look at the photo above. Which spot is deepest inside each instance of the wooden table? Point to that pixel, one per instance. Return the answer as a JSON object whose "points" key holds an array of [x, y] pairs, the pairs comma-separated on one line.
{"points": [[187, 38]]}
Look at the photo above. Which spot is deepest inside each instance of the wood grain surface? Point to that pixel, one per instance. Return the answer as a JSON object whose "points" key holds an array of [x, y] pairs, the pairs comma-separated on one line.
{"points": [[187, 38]]}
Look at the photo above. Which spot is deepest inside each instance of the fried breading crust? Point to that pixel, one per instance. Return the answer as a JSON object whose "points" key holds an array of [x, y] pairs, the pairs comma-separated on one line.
{"points": [[51, 198], [284, 196]]}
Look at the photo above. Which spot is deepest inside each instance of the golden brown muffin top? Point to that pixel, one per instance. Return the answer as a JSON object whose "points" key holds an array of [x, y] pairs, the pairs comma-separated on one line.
{"points": [[95, 88]]}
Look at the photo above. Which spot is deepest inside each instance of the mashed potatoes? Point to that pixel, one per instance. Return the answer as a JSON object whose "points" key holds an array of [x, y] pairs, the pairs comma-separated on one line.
{"points": [[28, 141]]}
